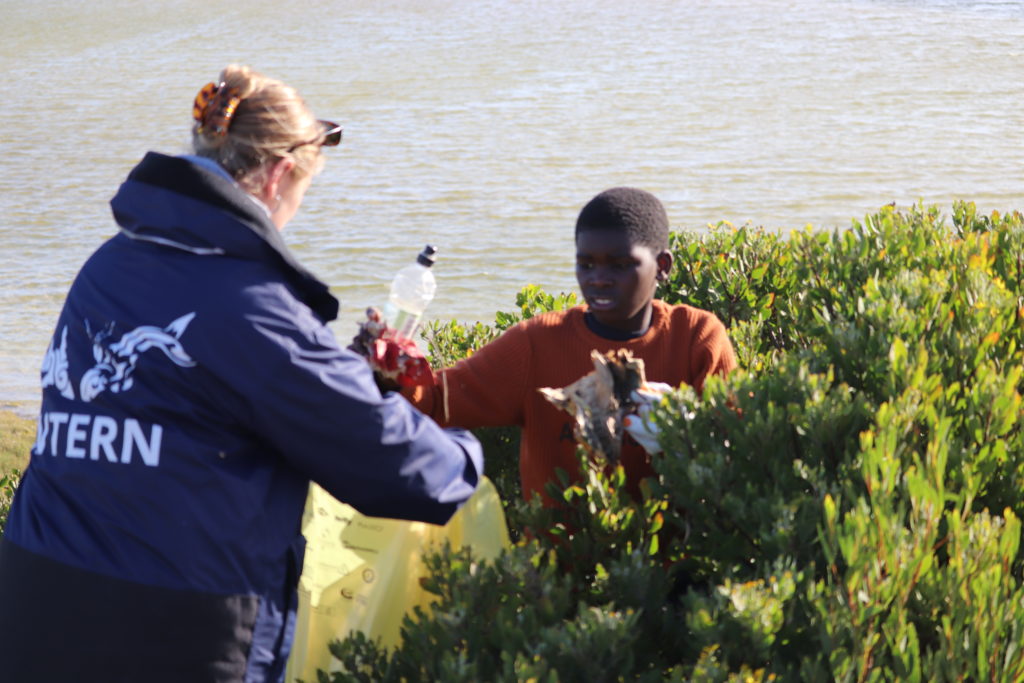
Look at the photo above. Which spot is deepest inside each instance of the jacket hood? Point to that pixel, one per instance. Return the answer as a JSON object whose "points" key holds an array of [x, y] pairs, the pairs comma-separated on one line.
{"points": [[174, 203]]}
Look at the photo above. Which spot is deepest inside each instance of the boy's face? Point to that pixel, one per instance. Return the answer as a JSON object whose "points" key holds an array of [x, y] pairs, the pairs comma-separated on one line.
{"points": [[617, 278]]}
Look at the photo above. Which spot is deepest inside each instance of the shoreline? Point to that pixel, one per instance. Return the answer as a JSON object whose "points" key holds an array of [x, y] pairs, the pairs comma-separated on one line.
{"points": [[23, 409]]}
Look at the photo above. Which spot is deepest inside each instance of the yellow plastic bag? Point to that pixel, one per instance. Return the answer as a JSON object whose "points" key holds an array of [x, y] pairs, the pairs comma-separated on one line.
{"points": [[363, 573]]}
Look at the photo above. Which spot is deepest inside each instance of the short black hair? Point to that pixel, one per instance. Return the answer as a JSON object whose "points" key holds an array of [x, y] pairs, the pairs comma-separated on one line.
{"points": [[637, 213]]}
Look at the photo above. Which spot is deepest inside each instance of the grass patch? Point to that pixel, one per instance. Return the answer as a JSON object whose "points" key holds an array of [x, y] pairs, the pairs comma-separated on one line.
{"points": [[16, 437]]}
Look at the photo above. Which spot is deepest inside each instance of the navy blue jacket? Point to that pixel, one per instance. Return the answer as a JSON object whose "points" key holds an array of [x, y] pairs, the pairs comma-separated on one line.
{"points": [[191, 391]]}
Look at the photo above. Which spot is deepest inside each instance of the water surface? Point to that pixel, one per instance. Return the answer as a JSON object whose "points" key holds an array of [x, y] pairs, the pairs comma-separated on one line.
{"points": [[484, 126]]}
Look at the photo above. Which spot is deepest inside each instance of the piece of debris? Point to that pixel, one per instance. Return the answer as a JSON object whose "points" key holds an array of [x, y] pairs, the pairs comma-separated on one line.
{"points": [[600, 399]]}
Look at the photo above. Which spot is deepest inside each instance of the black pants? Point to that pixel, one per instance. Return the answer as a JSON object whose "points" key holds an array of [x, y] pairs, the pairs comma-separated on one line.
{"points": [[59, 624]]}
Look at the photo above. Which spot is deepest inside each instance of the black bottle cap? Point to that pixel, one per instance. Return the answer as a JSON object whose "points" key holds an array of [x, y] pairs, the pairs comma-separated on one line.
{"points": [[426, 257]]}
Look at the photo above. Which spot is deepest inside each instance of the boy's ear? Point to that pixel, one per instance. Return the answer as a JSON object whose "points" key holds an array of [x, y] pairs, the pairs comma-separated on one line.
{"points": [[664, 261]]}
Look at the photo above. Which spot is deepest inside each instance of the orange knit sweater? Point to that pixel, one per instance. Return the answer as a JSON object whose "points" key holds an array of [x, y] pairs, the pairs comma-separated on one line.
{"points": [[498, 384]]}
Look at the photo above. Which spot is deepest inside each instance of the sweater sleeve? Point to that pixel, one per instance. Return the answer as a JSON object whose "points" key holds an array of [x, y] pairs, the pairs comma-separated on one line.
{"points": [[711, 351], [485, 389]]}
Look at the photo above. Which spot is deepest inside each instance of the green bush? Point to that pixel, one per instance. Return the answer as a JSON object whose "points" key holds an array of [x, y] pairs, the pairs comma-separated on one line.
{"points": [[16, 437], [844, 507], [8, 484]]}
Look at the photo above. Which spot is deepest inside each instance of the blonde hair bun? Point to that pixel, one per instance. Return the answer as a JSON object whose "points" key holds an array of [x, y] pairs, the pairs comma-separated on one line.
{"points": [[265, 119]]}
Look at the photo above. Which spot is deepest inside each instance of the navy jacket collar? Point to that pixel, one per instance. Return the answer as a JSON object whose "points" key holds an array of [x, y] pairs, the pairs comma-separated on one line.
{"points": [[173, 202]]}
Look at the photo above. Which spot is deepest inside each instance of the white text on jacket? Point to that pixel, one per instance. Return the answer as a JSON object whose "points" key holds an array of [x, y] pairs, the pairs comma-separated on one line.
{"points": [[81, 436]]}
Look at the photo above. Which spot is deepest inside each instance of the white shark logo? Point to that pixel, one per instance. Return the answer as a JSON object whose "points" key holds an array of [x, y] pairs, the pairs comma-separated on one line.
{"points": [[116, 362], [55, 367]]}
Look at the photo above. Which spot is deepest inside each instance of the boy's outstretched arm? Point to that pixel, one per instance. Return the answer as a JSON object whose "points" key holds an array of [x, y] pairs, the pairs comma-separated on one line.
{"points": [[486, 389]]}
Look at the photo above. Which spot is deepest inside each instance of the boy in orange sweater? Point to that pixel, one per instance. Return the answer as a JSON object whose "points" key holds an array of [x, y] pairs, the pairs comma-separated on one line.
{"points": [[621, 255]]}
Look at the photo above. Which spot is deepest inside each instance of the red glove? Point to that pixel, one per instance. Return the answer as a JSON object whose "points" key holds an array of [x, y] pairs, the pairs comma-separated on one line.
{"points": [[399, 360], [394, 360]]}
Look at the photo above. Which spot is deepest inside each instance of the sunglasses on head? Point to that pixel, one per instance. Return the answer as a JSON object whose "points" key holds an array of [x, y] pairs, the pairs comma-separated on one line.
{"points": [[330, 136]]}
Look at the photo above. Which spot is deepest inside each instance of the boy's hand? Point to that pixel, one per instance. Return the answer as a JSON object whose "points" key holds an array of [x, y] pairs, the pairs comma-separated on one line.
{"points": [[400, 361], [396, 362], [643, 431]]}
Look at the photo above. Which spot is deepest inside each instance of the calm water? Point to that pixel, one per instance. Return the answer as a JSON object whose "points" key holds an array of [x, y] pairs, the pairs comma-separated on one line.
{"points": [[483, 126]]}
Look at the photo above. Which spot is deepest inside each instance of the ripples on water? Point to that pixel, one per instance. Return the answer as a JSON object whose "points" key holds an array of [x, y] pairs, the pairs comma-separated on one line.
{"points": [[484, 126]]}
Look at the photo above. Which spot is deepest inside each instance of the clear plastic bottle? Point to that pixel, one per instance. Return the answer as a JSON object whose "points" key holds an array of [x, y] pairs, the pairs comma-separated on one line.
{"points": [[411, 291]]}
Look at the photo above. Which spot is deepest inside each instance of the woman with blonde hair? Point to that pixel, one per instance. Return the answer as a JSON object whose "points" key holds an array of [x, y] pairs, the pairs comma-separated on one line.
{"points": [[190, 393]]}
